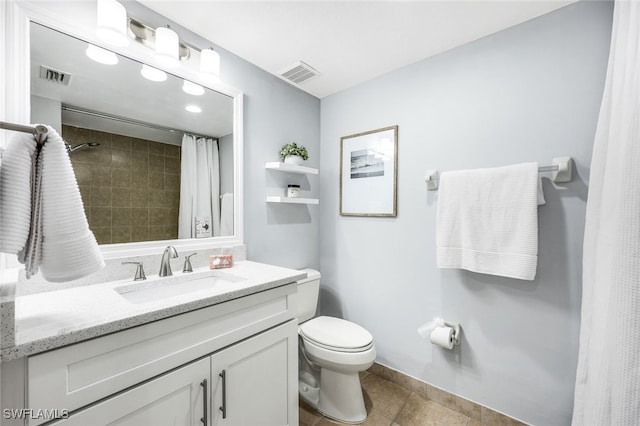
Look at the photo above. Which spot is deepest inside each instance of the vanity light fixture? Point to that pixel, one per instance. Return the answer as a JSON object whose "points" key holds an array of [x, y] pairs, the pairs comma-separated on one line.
{"points": [[210, 64], [167, 46], [112, 22], [170, 50], [101, 55], [192, 88], [147, 37], [193, 108], [153, 74]]}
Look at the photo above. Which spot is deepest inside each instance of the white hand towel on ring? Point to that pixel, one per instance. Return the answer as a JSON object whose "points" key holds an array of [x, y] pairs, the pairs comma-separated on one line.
{"points": [[15, 192], [61, 244]]}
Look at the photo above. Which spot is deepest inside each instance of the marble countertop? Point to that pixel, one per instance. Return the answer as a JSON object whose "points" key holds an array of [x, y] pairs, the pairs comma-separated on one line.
{"points": [[54, 319]]}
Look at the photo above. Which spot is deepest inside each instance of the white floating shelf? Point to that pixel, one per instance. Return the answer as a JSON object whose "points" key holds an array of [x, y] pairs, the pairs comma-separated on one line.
{"points": [[292, 200], [292, 168]]}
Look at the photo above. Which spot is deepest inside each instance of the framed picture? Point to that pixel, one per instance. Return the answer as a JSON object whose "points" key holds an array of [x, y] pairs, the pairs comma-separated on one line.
{"points": [[368, 173]]}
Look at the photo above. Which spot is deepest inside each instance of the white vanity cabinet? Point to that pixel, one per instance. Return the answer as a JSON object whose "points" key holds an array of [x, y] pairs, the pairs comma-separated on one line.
{"points": [[170, 371], [174, 398], [245, 384], [251, 380]]}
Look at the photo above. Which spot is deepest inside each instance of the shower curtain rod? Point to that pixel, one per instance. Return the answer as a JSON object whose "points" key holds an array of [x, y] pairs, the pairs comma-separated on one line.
{"points": [[127, 120]]}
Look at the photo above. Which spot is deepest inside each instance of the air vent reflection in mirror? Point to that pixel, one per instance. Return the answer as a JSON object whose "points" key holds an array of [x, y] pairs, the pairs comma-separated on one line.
{"points": [[55, 76]]}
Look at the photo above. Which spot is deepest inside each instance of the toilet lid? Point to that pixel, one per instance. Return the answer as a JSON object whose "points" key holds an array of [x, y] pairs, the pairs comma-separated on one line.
{"points": [[336, 333]]}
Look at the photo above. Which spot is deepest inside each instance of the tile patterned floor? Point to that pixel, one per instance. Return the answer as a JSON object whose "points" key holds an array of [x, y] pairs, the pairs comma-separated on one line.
{"points": [[391, 405]]}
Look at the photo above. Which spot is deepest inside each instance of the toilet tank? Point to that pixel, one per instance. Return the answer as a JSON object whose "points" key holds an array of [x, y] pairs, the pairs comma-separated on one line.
{"points": [[306, 299]]}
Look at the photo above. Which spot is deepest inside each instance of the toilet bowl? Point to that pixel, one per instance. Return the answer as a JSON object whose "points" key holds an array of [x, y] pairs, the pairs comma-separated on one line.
{"points": [[332, 353]]}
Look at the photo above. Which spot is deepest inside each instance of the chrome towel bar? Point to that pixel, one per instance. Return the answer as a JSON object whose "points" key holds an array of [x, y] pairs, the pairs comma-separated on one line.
{"points": [[562, 168], [36, 130]]}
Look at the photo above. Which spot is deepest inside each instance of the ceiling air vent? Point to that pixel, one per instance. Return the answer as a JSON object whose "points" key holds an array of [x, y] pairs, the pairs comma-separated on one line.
{"points": [[299, 72], [54, 76]]}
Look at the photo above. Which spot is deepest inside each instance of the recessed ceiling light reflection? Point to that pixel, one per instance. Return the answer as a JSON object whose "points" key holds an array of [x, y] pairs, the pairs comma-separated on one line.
{"points": [[192, 88], [193, 108], [101, 55], [153, 74]]}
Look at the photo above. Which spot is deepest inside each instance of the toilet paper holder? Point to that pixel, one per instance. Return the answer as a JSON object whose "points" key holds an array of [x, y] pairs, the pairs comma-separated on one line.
{"points": [[427, 329], [456, 331]]}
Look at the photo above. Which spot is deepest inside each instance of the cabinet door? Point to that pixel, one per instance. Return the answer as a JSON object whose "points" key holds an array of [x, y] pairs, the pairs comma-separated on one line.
{"points": [[255, 382], [174, 398]]}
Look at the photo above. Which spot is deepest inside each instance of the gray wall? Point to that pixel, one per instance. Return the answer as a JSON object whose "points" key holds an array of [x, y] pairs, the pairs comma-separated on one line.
{"points": [[275, 113], [529, 93]]}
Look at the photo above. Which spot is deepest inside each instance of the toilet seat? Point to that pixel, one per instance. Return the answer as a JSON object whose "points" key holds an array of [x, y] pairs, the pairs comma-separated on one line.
{"points": [[336, 334]]}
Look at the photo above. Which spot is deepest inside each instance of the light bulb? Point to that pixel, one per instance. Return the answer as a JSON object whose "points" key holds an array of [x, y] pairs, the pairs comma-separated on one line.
{"points": [[193, 108], [210, 64], [167, 46], [112, 23]]}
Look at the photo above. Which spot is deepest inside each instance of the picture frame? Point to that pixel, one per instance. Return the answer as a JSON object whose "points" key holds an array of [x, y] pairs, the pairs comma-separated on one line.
{"points": [[369, 173]]}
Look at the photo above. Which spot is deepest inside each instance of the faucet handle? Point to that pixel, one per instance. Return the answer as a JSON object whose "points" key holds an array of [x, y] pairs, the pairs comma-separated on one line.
{"points": [[139, 270], [187, 263]]}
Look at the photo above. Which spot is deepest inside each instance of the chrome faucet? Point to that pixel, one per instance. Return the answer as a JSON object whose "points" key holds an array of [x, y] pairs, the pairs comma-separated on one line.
{"points": [[165, 265]]}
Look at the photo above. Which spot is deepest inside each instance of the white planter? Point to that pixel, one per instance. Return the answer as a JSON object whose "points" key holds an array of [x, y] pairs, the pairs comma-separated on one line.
{"points": [[294, 159]]}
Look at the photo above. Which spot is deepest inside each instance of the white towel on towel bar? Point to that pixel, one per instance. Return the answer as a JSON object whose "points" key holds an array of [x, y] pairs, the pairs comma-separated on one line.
{"points": [[60, 243], [487, 220], [15, 192]]}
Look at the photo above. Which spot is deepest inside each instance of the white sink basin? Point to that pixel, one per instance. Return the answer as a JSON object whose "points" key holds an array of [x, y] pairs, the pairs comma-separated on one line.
{"points": [[163, 288]]}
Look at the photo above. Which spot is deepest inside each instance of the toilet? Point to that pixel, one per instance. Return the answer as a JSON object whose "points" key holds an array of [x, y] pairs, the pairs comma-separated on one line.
{"points": [[331, 353]]}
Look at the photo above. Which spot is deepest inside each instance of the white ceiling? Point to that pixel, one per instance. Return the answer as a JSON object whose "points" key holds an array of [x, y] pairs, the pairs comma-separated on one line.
{"points": [[348, 42]]}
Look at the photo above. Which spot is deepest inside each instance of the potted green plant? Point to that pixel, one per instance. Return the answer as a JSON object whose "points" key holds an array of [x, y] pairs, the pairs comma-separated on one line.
{"points": [[291, 153]]}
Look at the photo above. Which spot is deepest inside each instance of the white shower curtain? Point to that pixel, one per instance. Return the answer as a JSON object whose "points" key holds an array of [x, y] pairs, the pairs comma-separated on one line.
{"points": [[607, 388], [199, 214]]}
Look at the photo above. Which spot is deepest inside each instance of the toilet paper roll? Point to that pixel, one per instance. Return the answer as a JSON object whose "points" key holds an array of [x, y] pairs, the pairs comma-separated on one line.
{"points": [[442, 336]]}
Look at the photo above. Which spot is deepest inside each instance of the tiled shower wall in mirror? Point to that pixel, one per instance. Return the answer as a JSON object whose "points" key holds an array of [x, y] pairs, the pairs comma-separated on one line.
{"points": [[130, 187]]}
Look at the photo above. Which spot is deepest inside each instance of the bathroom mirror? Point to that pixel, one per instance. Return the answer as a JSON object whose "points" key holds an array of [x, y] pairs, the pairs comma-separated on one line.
{"points": [[74, 113]]}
